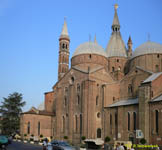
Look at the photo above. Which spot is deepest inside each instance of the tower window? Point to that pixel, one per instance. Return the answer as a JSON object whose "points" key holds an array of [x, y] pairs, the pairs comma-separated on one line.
{"points": [[98, 115], [63, 45], [117, 60], [66, 46], [158, 55], [65, 101], [90, 56]]}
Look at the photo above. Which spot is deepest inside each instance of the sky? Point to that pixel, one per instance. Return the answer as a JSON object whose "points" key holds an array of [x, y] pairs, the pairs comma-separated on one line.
{"points": [[30, 29]]}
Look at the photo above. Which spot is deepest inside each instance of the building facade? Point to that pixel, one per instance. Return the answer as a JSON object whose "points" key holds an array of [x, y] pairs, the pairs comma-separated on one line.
{"points": [[105, 92]]}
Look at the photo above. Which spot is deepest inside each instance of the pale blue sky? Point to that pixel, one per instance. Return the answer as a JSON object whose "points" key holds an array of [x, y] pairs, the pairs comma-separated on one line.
{"points": [[29, 32]]}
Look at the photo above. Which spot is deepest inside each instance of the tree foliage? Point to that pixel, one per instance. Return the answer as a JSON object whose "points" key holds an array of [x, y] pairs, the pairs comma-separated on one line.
{"points": [[10, 109]]}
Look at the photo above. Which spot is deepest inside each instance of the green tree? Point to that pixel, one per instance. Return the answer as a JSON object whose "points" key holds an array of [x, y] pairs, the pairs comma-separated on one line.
{"points": [[143, 141], [10, 110]]}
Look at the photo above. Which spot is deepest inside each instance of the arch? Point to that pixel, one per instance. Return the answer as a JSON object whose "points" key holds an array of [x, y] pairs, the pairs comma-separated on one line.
{"points": [[98, 133], [63, 45]]}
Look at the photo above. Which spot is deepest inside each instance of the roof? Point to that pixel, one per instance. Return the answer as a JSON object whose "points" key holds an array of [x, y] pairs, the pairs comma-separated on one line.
{"points": [[147, 48], [64, 29], [157, 99], [152, 77], [125, 102], [89, 48], [116, 19], [116, 46]]}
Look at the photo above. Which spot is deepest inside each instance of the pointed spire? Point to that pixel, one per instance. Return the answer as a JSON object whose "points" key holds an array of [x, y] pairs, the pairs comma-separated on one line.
{"points": [[116, 24], [95, 40], [130, 40], [64, 29]]}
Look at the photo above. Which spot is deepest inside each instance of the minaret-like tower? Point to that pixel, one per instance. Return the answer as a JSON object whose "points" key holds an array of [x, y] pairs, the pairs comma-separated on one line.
{"points": [[64, 41], [129, 44]]}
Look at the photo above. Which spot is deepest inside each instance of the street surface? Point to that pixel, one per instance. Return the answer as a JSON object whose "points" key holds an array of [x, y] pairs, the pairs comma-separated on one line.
{"points": [[23, 146]]}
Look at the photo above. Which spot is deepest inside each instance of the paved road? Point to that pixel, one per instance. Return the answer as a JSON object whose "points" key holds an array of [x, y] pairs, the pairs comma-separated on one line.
{"points": [[23, 146]]}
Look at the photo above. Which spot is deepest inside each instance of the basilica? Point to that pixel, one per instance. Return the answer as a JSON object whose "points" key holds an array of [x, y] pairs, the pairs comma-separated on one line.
{"points": [[115, 92]]}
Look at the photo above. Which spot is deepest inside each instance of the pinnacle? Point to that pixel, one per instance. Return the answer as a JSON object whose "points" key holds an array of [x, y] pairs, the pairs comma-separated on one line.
{"points": [[64, 29]]}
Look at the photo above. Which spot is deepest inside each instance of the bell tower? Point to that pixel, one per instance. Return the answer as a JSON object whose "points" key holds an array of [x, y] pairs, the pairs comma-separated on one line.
{"points": [[64, 41]]}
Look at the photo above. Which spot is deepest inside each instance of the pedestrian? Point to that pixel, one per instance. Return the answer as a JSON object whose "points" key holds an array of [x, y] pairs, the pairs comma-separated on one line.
{"points": [[121, 147], [106, 146], [118, 146], [45, 142]]}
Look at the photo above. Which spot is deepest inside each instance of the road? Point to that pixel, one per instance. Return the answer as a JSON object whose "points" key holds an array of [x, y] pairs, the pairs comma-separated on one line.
{"points": [[23, 146]]}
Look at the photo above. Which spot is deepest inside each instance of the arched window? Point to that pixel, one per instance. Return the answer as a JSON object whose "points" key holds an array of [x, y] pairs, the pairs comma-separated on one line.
{"points": [[113, 69], [78, 87], [96, 100], [98, 133], [65, 101], [157, 121], [116, 119], [78, 99], [63, 124], [128, 121], [134, 120], [63, 45], [28, 130], [66, 46], [98, 115], [157, 68], [110, 120], [80, 123], [76, 123], [38, 128], [130, 89]]}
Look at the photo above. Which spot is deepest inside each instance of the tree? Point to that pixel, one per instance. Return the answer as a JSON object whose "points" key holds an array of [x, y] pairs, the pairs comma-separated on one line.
{"points": [[143, 141], [107, 139], [10, 110]]}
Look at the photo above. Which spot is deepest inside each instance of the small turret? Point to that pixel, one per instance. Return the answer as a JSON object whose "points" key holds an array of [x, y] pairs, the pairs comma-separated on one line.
{"points": [[129, 44]]}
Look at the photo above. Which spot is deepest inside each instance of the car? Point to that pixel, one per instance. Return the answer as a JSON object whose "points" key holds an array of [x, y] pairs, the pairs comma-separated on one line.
{"points": [[59, 145]]}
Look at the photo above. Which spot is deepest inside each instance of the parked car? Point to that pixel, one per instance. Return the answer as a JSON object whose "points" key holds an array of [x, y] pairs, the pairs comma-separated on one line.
{"points": [[59, 145]]}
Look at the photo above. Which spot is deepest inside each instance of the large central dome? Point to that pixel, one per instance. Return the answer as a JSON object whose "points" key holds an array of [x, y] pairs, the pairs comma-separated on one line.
{"points": [[148, 48], [89, 48]]}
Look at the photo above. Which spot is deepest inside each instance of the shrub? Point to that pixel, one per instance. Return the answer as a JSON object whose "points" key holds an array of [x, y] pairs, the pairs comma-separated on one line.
{"points": [[83, 138], [143, 141], [83, 146], [41, 136], [65, 137], [25, 135], [107, 139]]}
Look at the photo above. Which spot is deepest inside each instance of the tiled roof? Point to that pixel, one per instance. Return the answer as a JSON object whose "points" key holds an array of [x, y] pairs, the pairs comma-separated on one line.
{"points": [[125, 102], [157, 99], [152, 77]]}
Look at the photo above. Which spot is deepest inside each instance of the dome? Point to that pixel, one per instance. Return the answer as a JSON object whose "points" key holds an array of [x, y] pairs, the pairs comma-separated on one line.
{"points": [[147, 48], [89, 48]]}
